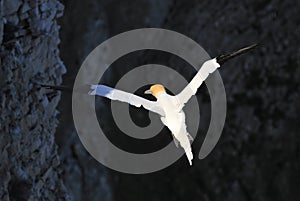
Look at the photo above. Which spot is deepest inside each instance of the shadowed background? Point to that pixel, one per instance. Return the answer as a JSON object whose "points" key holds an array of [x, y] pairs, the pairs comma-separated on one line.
{"points": [[257, 157]]}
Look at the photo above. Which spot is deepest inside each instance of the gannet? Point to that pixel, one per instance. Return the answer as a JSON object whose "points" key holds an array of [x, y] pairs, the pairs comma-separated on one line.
{"points": [[169, 107]]}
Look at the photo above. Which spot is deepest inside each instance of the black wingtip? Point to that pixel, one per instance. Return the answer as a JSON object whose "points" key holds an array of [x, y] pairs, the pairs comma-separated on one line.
{"points": [[54, 87], [83, 89], [223, 58]]}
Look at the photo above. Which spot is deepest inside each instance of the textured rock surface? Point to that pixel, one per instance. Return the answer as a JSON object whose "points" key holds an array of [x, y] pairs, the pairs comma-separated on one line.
{"points": [[257, 156], [29, 163]]}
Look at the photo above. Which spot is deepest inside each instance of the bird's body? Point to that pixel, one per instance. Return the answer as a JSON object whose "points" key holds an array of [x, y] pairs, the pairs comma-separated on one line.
{"points": [[174, 119], [169, 107]]}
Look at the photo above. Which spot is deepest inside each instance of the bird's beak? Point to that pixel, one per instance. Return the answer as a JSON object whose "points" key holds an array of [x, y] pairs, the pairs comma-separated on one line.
{"points": [[223, 58], [148, 92]]}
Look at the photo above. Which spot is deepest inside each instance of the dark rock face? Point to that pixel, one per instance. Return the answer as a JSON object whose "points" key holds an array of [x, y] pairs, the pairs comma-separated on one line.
{"points": [[29, 163], [83, 28], [256, 158], [257, 155]]}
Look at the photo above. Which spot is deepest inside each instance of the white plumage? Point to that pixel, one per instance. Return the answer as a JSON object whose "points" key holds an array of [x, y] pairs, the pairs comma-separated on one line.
{"points": [[169, 107]]}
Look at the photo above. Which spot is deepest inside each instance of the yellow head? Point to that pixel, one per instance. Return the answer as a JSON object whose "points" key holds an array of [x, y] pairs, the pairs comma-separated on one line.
{"points": [[155, 90]]}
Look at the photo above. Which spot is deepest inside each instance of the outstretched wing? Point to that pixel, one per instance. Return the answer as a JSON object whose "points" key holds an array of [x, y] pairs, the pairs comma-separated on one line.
{"points": [[191, 89], [115, 94]]}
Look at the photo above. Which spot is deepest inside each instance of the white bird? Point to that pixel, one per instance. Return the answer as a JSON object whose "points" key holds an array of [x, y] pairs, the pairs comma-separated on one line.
{"points": [[169, 107]]}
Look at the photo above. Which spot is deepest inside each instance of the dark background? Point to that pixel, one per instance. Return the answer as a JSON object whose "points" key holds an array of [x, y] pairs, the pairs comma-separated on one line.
{"points": [[257, 157]]}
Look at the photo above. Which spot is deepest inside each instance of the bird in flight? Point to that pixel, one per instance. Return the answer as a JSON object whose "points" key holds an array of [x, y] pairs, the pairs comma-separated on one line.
{"points": [[169, 107]]}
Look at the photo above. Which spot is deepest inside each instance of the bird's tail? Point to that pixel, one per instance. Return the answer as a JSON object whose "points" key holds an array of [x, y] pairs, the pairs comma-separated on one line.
{"points": [[185, 144], [189, 155]]}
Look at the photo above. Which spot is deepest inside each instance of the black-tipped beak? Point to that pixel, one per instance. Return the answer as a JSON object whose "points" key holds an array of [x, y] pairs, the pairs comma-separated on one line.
{"points": [[223, 58]]}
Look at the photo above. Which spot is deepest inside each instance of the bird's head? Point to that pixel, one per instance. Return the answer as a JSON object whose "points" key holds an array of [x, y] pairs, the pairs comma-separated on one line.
{"points": [[155, 90]]}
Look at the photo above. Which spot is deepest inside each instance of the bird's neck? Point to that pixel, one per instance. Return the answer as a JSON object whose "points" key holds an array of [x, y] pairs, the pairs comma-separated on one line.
{"points": [[160, 94]]}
